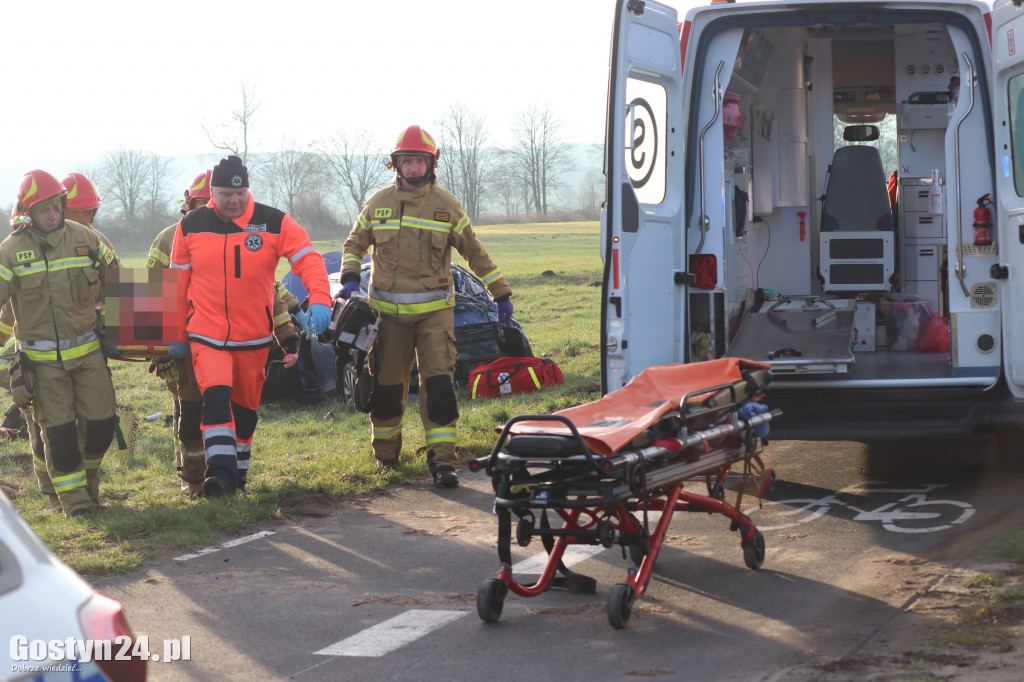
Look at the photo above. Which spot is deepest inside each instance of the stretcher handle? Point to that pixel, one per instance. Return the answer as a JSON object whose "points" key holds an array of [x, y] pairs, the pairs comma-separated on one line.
{"points": [[488, 462]]}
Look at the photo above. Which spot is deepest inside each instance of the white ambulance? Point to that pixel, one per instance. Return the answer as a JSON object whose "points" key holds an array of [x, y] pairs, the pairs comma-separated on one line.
{"points": [[833, 187]]}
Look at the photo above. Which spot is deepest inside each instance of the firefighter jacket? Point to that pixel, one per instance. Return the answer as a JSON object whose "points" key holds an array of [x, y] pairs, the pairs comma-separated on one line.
{"points": [[285, 304], [55, 284], [228, 287], [412, 232]]}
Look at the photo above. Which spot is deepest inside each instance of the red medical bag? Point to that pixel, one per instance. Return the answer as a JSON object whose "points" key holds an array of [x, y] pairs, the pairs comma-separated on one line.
{"points": [[506, 376]]}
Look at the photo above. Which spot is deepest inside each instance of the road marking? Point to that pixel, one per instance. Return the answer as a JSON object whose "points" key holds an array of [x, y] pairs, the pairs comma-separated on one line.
{"points": [[392, 634], [573, 555], [227, 545]]}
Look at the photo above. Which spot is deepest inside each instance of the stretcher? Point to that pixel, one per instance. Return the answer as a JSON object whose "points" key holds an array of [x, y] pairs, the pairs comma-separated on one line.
{"points": [[603, 466]]}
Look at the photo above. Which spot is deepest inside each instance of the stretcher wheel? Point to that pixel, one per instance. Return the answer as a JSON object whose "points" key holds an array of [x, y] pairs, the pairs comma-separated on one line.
{"points": [[490, 599], [753, 552], [620, 604]]}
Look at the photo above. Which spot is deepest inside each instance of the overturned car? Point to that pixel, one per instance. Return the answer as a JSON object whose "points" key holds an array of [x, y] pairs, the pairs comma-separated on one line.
{"points": [[325, 369]]}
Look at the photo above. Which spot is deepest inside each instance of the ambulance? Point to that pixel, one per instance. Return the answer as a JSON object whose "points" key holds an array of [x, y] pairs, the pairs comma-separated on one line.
{"points": [[833, 187]]}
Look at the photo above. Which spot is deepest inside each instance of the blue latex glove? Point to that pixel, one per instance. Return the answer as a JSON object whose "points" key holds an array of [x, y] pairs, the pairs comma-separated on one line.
{"points": [[320, 316], [302, 317], [111, 351], [179, 350], [348, 288], [505, 310]]}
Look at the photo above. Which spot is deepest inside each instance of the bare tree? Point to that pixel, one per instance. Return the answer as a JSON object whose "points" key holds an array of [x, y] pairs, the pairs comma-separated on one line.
{"points": [[465, 163], [233, 138], [290, 173], [355, 163], [541, 153], [135, 179], [507, 184], [591, 191]]}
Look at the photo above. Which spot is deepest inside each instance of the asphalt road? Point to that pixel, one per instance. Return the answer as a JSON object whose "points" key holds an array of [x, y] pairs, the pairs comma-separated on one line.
{"points": [[384, 587]]}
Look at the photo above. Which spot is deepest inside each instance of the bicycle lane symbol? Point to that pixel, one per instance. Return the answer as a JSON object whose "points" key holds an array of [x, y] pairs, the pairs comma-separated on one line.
{"points": [[914, 512]]}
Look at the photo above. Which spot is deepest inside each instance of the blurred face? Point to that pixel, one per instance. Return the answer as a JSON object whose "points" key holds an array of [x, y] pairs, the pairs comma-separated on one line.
{"points": [[412, 166], [81, 215], [47, 215], [231, 201]]}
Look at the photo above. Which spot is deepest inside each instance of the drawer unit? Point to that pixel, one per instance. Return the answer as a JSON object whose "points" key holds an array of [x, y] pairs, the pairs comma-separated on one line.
{"points": [[921, 261]]}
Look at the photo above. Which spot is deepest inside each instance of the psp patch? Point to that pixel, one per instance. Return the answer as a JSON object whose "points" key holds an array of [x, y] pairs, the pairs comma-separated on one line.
{"points": [[254, 242], [25, 256], [382, 213], [442, 216]]}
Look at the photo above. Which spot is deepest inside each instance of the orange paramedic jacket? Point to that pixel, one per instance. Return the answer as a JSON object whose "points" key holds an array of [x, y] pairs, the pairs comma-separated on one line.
{"points": [[227, 292]]}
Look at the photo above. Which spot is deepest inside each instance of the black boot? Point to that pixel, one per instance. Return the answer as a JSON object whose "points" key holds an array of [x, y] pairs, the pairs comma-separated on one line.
{"points": [[444, 474]]}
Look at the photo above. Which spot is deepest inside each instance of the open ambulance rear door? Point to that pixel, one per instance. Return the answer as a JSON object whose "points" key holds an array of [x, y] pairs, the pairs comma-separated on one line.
{"points": [[643, 317], [1008, 63]]}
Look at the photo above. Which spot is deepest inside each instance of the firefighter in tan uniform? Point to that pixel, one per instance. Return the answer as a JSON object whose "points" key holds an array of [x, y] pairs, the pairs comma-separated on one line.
{"points": [[179, 374], [52, 270], [412, 227]]}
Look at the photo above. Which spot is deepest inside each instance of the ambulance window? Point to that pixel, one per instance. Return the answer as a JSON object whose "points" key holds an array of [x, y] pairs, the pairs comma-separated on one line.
{"points": [[1016, 101], [646, 139]]}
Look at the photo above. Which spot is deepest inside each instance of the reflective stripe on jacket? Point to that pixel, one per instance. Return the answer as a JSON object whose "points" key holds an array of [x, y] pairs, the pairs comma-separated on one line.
{"points": [[55, 284], [230, 266], [412, 233]]}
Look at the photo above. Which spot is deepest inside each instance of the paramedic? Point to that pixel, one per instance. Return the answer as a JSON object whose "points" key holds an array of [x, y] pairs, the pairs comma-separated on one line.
{"points": [[178, 373], [52, 270], [229, 251], [412, 227]]}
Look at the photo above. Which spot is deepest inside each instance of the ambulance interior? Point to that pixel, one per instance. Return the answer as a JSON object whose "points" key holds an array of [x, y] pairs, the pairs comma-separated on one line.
{"points": [[832, 163]]}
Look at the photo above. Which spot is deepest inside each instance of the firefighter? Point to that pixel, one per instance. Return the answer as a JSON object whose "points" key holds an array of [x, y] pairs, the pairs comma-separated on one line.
{"points": [[52, 270], [228, 251], [412, 227], [179, 374], [83, 203]]}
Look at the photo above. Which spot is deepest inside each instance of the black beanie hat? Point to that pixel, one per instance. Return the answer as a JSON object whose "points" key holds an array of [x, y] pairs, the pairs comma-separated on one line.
{"points": [[230, 172]]}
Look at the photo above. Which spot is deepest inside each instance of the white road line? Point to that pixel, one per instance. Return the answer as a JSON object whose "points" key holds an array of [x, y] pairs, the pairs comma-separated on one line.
{"points": [[392, 634], [227, 545], [573, 555]]}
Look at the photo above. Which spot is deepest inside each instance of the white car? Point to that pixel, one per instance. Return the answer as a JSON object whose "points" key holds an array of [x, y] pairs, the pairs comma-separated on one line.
{"points": [[54, 625]]}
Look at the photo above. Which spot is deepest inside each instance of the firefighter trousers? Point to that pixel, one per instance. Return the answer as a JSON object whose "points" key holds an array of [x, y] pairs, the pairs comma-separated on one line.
{"points": [[429, 338], [69, 395], [189, 452]]}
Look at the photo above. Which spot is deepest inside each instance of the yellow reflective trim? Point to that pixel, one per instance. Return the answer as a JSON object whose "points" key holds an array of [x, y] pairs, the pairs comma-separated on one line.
{"points": [[412, 308], [39, 464], [157, 256], [424, 224], [445, 435], [69, 481], [387, 434], [6, 328], [472, 393], [491, 276], [351, 258], [32, 189], [22, 270], [282, 318], [463, 224], [536, 381], [68, 354], [6, 274]]}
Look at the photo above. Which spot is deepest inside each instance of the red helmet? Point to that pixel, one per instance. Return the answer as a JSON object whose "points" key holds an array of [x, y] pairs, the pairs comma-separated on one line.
{"points": [[415, 140], [199, 188], [81, 191], [36, 187]]}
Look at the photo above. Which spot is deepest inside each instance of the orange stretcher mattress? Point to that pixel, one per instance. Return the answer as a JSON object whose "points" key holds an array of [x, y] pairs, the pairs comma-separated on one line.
{"points": [[610, 423]]}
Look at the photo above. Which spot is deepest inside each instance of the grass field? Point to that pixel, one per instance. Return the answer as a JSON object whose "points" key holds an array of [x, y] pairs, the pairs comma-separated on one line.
{"points": [[304, 451]]}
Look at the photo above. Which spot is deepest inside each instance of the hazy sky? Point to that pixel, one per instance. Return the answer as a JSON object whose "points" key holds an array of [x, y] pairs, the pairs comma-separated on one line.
{"points": [[85, 77]]}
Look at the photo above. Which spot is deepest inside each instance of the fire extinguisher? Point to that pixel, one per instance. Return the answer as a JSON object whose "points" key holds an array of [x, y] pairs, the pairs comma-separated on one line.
{"points": [[983, 222]]}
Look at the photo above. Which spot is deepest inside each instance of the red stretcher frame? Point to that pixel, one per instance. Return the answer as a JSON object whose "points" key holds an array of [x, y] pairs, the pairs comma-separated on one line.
{"points": [[595, 466]]}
